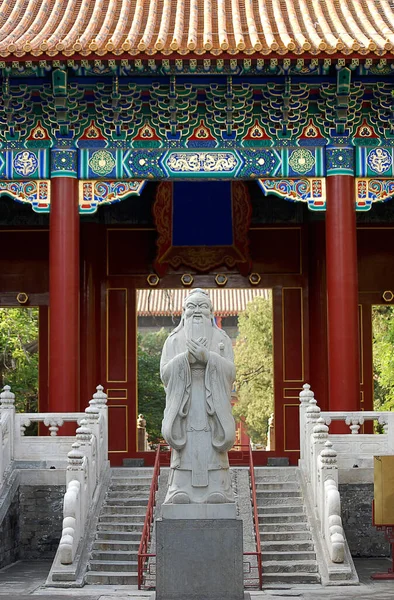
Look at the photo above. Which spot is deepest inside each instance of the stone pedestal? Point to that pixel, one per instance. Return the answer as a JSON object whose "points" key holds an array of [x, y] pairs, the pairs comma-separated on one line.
{"points": [[199, 559]]}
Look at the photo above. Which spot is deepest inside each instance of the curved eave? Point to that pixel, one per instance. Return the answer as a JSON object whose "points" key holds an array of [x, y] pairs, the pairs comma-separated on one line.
{"points": [[61, 29], [110, 56]]}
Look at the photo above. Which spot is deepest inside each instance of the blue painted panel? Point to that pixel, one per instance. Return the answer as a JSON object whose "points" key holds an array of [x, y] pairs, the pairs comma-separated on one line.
{"points": [[202, 214]]}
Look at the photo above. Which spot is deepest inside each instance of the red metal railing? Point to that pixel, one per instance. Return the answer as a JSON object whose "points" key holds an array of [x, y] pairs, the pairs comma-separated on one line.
{"points": [[256, 520], [143, 555]]}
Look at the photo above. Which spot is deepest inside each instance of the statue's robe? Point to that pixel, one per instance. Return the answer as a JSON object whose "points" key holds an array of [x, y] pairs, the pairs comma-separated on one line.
{"points": [[198, 422]]}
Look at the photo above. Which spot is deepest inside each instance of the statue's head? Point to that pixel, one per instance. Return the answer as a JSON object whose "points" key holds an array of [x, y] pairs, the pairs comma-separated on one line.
{"points": [[197, 306]]}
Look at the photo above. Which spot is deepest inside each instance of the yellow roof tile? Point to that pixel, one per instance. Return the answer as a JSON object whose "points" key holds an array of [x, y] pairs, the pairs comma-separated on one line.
{"points": [[226, 302], [202, 27]]}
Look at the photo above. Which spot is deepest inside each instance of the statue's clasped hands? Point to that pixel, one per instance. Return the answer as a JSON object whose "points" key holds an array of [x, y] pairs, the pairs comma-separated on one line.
{"points": [[198, 350]]}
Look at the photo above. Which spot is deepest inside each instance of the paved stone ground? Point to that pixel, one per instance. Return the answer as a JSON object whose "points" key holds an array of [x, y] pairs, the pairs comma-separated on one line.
{"points": [[26, 578]]}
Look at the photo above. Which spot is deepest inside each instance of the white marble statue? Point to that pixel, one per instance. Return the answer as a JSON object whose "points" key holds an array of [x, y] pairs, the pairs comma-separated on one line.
{"points": [[197, 369]]}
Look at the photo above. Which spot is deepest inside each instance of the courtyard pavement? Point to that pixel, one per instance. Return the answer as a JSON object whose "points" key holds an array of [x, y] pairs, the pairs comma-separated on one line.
{"points": [[26, 579]]}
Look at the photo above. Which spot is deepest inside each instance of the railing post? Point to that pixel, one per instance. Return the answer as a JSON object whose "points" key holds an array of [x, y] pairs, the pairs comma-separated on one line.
{"points": [[312, 415], [85, 440], [141, 434], [7, 403], [75, 471], [328, 469], [330, 503], [92, 417], [99, 402], [305, 397], [319, 438]]}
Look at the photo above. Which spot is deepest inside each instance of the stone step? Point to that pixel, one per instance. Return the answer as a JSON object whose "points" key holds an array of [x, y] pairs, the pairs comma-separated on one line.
{"points": [[107, 566], [282, 536], [121, 517], [290, 578], [278, 494], [116, 509], [114, 545], [288, 486], [114, 555], [125, 536], [282, 508], [287, 556], [110, 578], [114, 500], [278, 472], [132, 472], [132, 489], [278, 497], [290, 566], [120, 526], [278, 527], [283, 518], [115, 481], [284, 546]]}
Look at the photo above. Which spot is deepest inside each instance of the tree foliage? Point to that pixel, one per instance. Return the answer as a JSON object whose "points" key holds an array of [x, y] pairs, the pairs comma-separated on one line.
{"points": [[151, 395], [254, 363], [19, 355], [383, 357]]}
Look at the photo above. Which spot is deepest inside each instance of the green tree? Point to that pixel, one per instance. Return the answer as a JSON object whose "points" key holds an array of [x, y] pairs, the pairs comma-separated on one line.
{"points": [[383, 356], [19, 355], [151, 395], [254, 363]]}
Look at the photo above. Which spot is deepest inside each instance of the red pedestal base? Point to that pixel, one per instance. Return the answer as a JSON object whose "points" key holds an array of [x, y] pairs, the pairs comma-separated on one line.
{"points": [[389, 535]]}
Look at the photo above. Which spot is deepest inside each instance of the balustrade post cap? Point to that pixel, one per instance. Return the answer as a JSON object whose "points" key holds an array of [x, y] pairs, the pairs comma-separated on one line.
{"points": [[92, 412], [320, 430], [328, 455], [141, 421], [7, 398], [306, 394], [312, 410], [83, 432], [99, 397], [75, 455]]}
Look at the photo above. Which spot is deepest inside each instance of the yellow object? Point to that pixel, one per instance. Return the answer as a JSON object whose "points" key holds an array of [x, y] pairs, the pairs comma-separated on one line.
{"points": [[384, 490]]}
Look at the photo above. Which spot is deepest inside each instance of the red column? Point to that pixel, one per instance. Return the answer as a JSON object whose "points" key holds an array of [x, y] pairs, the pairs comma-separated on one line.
{"points": [[342, 294], [64, 296]]}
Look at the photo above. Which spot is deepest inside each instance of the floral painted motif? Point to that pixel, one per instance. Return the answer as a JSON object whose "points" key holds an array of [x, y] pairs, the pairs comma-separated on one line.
{"points": [[301, 161], [379, 160], [201, 162], [25, 163], [102, 162]]}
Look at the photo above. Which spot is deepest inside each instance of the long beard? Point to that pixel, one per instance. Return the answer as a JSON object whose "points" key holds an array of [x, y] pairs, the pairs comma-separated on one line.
{"points": [[201, 329]]}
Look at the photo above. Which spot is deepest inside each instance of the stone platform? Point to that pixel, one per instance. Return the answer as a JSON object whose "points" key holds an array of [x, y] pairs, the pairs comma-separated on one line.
{"points": [[199, 559]]}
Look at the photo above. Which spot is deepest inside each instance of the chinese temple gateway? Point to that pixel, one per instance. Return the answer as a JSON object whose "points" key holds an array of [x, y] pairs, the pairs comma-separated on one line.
{"points": [[124, 123]]}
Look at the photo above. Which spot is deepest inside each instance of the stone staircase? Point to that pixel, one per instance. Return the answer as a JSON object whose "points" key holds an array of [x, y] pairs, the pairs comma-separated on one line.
{"points": [[288, 553], [113, 559]]}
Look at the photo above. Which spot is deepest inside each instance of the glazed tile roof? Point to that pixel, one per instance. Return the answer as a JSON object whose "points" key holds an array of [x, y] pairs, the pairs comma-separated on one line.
{"points": [[226, 302], [202, 27]]}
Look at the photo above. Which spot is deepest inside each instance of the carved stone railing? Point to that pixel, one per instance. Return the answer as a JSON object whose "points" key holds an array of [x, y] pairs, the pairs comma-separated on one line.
{"points": [[43, 447], [358, 449], [322, 454], [87, 461], [7, 416], [84, 463]]}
